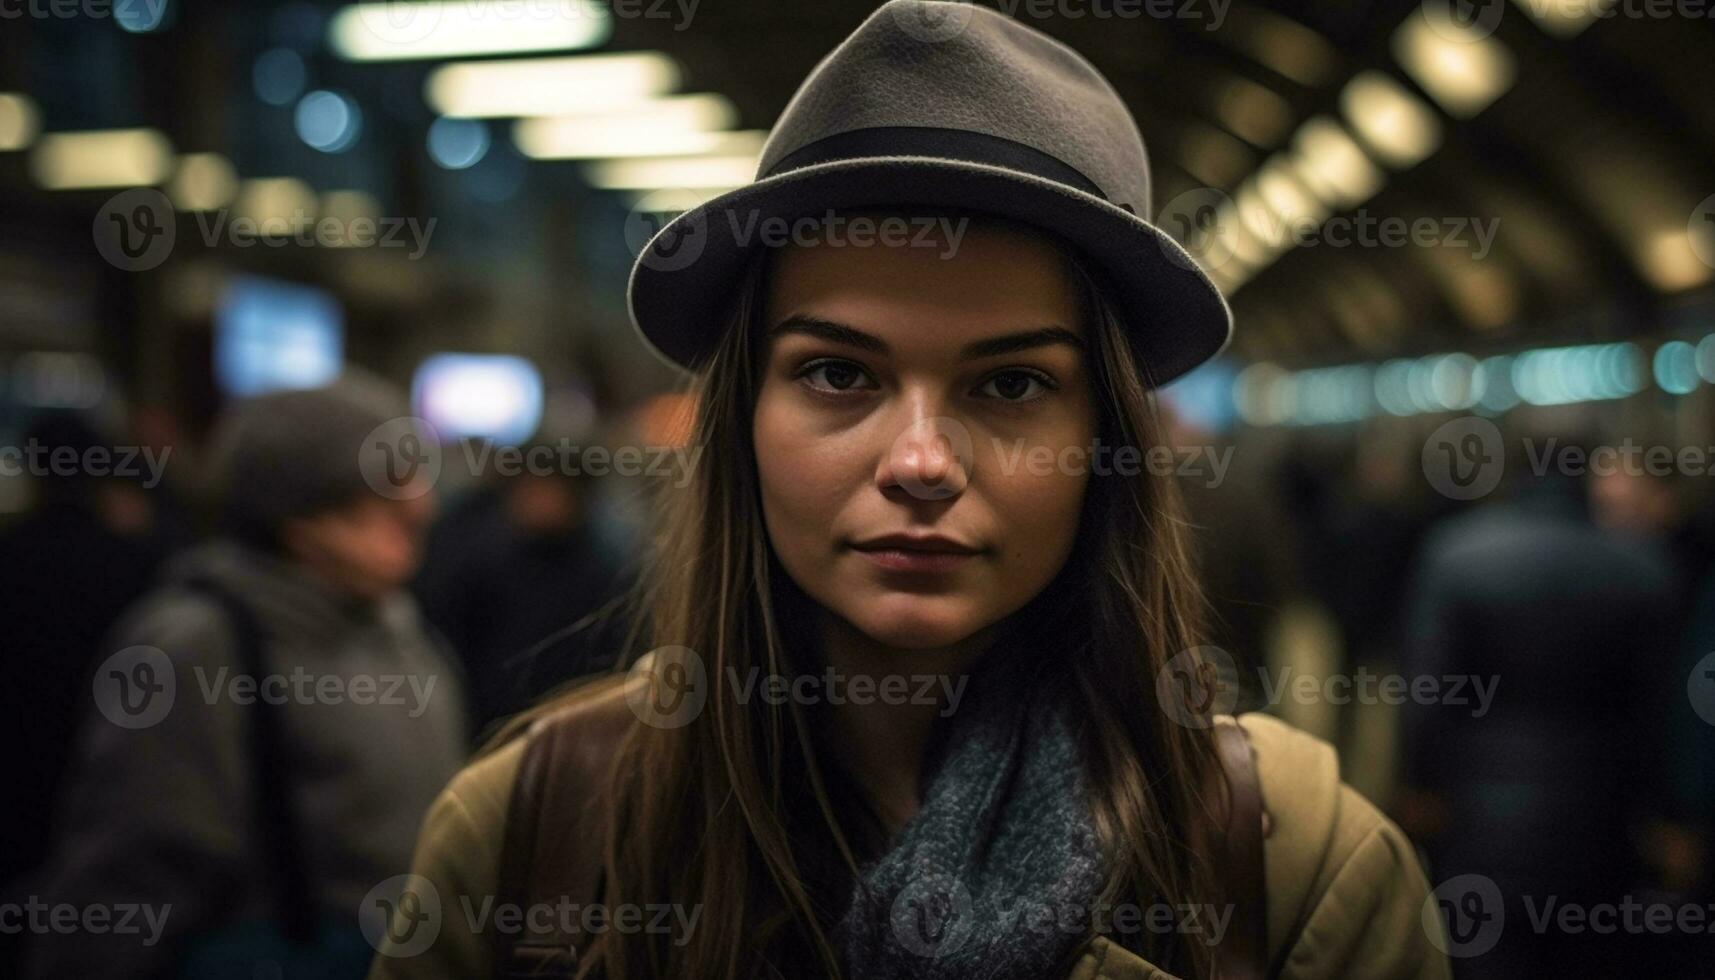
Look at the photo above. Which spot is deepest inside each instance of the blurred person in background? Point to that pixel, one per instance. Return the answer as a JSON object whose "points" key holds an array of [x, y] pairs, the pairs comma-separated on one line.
{"points": [[1678, 845], [68, 568], [1651, 500], [1357, 525], [1547, 790], [1370, 537], [1375, 531], [252, 817], [510, 580], [1643, 500], [1245, 565]]}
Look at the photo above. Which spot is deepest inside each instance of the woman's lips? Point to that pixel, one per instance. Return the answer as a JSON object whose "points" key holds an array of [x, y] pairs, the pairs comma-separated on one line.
{"points": [[903, 560]]}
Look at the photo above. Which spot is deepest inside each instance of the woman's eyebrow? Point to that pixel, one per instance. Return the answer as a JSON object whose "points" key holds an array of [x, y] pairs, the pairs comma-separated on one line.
{"points": [[1010, 343], [828, 330]]}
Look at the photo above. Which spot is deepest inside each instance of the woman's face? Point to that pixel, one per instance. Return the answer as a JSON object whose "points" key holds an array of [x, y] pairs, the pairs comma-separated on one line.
{"points": [[909, 429]]}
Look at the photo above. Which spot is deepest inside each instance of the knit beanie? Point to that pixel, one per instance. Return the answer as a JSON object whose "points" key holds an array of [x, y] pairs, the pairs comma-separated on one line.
{"points": [[295, 453]]}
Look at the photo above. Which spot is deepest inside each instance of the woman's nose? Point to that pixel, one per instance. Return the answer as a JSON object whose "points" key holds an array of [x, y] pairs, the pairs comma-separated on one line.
{"points": [[930, 459]]}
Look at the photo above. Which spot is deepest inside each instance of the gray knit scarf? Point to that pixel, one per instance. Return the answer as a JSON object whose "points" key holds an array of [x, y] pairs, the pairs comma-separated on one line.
{"points": [[994, 876]]}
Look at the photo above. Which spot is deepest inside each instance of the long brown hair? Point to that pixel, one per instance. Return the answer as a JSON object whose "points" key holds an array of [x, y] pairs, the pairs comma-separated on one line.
{"points": [[735, 812]]}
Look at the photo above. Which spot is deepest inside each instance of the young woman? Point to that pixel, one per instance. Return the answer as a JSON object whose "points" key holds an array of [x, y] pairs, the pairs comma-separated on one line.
{"points": [[910, 614]]}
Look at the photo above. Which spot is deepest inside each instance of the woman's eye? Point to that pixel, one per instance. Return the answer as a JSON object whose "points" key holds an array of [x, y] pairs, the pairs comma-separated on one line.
{"points": [[1016, 386], [833, 375]]}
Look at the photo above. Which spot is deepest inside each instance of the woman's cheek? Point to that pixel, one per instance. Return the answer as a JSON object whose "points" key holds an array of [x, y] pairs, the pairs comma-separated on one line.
{"points": [[800, 481], [1038, 497], [798, 464]]}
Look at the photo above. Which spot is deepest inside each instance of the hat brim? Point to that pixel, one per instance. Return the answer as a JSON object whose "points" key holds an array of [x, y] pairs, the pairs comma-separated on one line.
{"points": [[683, 276]]}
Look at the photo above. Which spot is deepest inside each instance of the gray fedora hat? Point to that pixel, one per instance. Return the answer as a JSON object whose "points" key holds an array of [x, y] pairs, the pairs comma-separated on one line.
{"points": [[944, 104]]}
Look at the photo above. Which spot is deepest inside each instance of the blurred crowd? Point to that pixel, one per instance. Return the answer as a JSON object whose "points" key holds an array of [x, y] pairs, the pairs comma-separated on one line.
{"points": [[408, 633], [1548, 727], [1543, 637]]}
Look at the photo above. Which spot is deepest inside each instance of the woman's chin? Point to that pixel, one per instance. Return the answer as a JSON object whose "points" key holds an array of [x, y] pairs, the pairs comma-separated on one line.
{"points": [[917, 622]]}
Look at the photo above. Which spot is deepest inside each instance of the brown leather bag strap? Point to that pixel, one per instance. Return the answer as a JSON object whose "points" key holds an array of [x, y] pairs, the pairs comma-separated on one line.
{"points": [[1243, 953], [555, 831]]}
